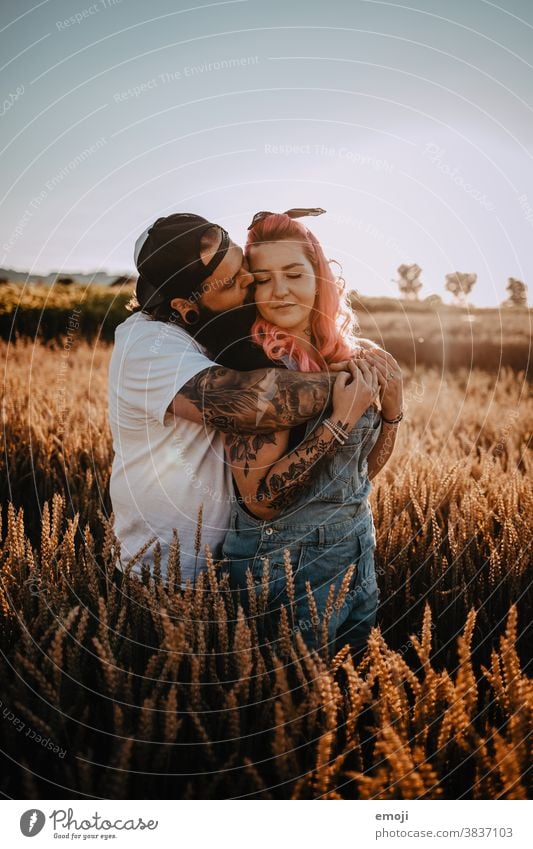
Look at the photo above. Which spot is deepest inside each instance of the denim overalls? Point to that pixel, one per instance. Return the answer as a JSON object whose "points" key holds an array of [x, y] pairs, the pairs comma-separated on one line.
{"points": [[325, 530]]}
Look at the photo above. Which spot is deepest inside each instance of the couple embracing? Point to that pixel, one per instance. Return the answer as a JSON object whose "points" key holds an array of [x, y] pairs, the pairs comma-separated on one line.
{"points": [[238, 392]]}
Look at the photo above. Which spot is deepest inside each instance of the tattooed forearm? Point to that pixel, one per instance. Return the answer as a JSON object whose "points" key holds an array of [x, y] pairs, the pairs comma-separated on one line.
{"points": [[289, 477], [256, 402], [243, 447]]}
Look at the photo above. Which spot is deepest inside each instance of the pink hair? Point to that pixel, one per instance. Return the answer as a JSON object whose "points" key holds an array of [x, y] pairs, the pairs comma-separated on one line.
{"points": [[331, 320]]}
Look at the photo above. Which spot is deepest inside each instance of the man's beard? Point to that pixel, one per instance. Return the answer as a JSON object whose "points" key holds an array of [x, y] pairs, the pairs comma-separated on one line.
{"points": [[224, 333]]}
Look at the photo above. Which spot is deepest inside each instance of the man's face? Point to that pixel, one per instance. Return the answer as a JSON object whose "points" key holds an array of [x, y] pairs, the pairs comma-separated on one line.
{"points": [[228, 287], [227, 308]]}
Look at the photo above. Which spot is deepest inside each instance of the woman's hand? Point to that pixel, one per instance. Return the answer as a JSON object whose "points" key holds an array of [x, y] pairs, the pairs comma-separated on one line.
{"points": [[390, 380], [353, 391]]}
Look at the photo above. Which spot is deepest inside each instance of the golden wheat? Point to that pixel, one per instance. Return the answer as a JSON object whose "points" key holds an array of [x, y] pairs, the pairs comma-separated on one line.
{"points": [[147, 680]]}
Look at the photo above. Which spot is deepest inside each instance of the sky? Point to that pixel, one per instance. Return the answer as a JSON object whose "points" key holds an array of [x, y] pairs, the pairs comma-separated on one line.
{"points": [[411, 124]]}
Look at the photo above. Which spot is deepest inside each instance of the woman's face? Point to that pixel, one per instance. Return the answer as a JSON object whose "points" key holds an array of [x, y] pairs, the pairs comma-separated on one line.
{"points": [[285, 285]]}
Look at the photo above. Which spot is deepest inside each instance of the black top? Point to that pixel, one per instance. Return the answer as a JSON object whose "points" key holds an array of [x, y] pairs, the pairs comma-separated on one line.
{"points": [[245, 355]]}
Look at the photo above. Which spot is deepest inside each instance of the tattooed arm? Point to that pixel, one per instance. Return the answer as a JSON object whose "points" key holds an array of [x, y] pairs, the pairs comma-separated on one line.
{"points": [[255, 402], [269, 481], [258, 401]]}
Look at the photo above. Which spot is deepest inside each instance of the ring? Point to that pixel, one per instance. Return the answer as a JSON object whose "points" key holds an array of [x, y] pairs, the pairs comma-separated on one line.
{"points": [[390, 374]]}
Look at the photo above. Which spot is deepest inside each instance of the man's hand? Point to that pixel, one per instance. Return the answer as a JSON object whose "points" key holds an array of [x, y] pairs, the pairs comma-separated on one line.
{"points": [[390, 378], [362, 345], [389, 374], [368, 345]]}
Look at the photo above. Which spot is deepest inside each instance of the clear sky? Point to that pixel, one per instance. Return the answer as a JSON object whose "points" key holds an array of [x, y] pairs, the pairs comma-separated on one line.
{"points": [[411, 124]]}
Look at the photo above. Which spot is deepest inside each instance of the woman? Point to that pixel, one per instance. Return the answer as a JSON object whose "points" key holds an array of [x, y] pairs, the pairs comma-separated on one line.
{"points": [[307, 492]]}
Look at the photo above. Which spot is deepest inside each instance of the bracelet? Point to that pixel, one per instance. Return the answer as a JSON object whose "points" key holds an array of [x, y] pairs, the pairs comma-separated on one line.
{"points": [[331, 427], [397, 420], [340, 435], [340, 429], [343, 431]]}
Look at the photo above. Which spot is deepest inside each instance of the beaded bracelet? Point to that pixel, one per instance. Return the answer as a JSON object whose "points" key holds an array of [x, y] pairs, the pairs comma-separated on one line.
{"points": [[340, 435], [332, 430], [341, 429]]}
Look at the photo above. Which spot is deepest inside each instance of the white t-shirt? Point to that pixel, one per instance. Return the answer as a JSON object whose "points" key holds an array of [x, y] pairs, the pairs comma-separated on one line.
{"points": [[164, 468]]}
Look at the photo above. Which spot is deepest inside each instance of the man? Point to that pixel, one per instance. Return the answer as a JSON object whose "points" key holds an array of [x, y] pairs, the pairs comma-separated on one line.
{"points": [[169, 403]]}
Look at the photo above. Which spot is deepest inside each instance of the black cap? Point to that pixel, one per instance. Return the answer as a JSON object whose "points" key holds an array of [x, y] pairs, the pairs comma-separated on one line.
{"points": [[167, 256]]}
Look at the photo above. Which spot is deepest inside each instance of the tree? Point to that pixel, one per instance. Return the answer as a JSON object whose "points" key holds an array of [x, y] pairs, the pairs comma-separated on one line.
{"points": [[517, 293], [409, 281], [460, 284], [65, 281]]}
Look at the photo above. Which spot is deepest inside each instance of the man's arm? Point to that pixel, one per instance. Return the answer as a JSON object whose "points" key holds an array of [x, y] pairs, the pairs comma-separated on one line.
{"points": [[259, 401], [253, 402]]}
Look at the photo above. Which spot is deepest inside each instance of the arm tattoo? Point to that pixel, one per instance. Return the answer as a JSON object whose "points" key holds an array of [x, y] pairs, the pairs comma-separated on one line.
{"points": [[256, 402], [243, 447], [287, 479]]}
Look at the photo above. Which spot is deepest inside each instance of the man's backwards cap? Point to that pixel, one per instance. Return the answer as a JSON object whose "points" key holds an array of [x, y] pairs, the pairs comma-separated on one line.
{"points": [[167, 257]]}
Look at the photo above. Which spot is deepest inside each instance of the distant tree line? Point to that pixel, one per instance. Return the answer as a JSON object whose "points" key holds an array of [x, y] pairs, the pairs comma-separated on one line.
{"points": [[459, 284]]}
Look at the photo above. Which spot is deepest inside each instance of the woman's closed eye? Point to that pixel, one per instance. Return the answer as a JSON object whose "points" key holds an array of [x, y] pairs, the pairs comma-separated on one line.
{"points": [[259, 279], [229, 284]]}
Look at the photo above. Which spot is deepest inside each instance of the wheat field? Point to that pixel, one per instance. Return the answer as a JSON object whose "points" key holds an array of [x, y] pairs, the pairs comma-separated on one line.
{"points": [[151, 691]]}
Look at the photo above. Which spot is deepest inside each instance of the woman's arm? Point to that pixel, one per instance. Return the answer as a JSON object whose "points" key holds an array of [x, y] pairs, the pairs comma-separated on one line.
{"points": [[391, 382], [271, 480], [382, 450]]}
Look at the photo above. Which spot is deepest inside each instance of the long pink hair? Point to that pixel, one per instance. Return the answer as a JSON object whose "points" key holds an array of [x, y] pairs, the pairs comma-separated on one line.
{"points": [[332, 322]]}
